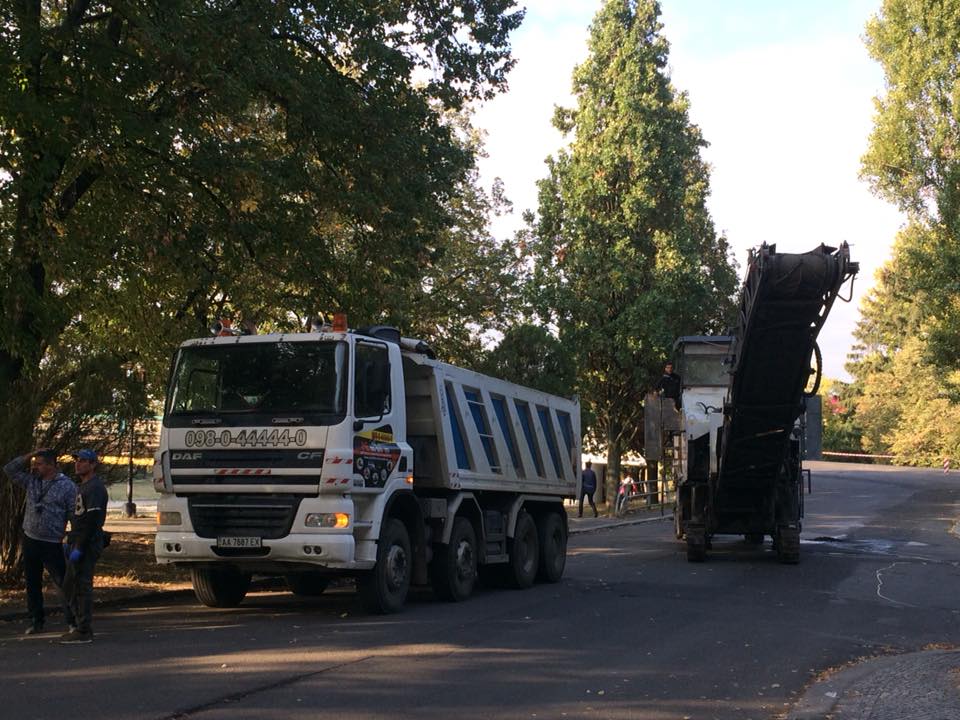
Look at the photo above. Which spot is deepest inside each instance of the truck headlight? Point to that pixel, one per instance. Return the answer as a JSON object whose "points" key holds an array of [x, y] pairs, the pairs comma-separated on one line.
{"points": [[327, 520], [168, 517]]}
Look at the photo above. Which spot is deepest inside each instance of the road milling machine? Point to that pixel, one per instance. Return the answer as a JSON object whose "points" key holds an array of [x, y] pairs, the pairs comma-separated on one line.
{"points": [[733, 442]]}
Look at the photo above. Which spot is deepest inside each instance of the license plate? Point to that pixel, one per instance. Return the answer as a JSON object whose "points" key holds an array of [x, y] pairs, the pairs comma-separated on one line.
{"points": [[238, 542]]}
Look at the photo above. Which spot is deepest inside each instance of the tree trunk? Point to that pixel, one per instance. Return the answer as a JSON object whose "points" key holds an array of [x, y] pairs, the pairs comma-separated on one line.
{"points": [[16, 437], [611, 481]]}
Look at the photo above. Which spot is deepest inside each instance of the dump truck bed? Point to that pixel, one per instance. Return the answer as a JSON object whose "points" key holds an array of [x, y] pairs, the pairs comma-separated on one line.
{"points": [[473, 432]]}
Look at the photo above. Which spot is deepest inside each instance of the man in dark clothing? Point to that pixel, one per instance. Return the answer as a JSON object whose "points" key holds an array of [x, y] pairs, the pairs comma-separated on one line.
{"points": [[588, 486], [84, 543], [670, 384], [51, 497]]}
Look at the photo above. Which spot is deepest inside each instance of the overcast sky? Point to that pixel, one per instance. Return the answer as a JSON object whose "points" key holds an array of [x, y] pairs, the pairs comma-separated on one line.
{"points": [[783, 92]]}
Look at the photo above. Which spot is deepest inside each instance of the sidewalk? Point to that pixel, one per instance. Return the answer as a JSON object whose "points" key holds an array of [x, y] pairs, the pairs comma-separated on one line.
{"points": [[923, 685], [590, 524], [140, 525]]}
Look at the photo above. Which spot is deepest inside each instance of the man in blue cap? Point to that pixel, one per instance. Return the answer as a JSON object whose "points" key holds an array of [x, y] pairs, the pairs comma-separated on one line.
{"points": [[51, 497], [85, 542]]}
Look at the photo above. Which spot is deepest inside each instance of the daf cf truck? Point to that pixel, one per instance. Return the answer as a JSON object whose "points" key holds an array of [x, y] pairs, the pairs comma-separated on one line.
{"points": [[339, 452]]}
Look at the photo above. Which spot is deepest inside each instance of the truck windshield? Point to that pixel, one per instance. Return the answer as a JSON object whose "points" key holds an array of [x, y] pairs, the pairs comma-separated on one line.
{"points": [[253, 383], [704, 370]]}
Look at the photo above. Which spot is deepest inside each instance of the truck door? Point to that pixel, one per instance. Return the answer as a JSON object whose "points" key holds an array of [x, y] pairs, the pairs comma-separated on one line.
{"points": [[375, 449]]}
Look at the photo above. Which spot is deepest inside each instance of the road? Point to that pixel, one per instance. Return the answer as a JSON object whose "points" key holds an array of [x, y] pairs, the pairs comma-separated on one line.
{"points": [[633, 631]]}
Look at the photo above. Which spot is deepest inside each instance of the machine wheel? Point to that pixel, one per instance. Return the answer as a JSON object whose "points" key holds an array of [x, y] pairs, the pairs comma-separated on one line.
{"points": [[219, 587], [307, 584], [524, 553], [453, 571], [753, 538], [696, 545], [553, 548], [384, 589], [788, 545]]}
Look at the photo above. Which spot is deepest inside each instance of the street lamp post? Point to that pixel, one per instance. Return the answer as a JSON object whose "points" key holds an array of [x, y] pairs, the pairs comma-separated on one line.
{"points": [[130, 507]]}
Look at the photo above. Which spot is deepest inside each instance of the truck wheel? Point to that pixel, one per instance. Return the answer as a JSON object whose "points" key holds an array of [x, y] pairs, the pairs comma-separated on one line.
{"points": [[524, 553], [307, 584], [219, 587], [788, 545], [384, 589], [453, 571], [553, 548]]}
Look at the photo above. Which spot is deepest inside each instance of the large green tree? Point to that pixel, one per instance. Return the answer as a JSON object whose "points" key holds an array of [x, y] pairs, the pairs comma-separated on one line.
{"points": [[912, 159], [908, 359], [627, 257], [162, 161]]}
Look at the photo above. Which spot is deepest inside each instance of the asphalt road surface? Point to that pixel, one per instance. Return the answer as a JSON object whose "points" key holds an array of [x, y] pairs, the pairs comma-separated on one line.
{"points": [[633, 631]]}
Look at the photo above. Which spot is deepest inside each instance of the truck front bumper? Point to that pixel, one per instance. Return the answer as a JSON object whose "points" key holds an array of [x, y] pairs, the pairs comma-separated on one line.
{"points": [[335, 551]]}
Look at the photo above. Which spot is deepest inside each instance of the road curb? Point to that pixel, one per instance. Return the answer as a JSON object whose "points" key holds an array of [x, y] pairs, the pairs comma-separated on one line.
{"points": [[618, 523], [889, 686]]}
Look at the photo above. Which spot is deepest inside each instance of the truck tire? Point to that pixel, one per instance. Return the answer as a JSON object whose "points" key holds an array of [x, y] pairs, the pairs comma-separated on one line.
{"points": [[384, 589], [453, 570], [307, 584], [219, 587], [524, 553], [788, 545], [553, 548]]}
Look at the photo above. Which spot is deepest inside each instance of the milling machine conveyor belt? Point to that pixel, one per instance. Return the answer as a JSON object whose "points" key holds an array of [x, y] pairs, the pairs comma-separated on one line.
{"points": [[785, 300]]}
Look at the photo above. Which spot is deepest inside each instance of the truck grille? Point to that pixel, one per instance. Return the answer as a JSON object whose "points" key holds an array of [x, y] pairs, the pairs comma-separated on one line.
{"points": [[243, 515]]}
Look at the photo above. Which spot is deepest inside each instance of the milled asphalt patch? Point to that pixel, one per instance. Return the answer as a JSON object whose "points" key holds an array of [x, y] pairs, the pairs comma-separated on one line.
{"points": [[922, 685]]}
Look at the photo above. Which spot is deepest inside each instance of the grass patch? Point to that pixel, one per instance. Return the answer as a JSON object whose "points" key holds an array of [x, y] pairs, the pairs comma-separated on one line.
{"points": [[126, 569]]}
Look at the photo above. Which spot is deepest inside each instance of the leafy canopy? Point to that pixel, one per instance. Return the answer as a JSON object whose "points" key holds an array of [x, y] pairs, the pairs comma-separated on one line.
{"points": [[164, 161], [626, 255]]}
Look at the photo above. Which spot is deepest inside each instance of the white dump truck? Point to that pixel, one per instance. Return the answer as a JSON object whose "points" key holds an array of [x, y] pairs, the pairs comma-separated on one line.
{"points": [[355, 452]]}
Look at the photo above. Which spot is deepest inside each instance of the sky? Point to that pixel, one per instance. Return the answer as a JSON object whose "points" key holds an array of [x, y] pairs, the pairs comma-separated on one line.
{"points": [[781, 89]]}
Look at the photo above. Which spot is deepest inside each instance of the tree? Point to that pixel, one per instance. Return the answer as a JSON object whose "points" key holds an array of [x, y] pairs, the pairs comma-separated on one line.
{"points": [[841, 432], [626, 255], [163, 161], [906, 366], [912, 161], [529, 355]]}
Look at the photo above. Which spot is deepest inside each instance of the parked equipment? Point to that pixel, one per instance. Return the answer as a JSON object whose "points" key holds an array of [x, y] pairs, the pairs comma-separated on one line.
{"points": [[734, 447], [341, 452]]}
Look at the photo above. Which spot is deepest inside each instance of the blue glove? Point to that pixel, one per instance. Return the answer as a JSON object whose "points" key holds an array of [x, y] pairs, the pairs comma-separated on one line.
{"points": [[75, 555]]}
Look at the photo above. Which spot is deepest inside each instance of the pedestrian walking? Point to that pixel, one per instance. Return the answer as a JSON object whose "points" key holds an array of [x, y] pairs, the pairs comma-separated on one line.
{"points": [[588, 486], [51, 497], [85, 542]]}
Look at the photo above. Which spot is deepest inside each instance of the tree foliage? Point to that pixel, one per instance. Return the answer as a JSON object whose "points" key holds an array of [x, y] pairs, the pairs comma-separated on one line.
{"points": [[162, 162], [906, 365], [626, 255], [529, 355], [841, 431], [912, 158]]}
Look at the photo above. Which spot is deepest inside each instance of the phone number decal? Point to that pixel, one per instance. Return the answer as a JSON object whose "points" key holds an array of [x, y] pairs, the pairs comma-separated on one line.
{"points": [[245, 438]]}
